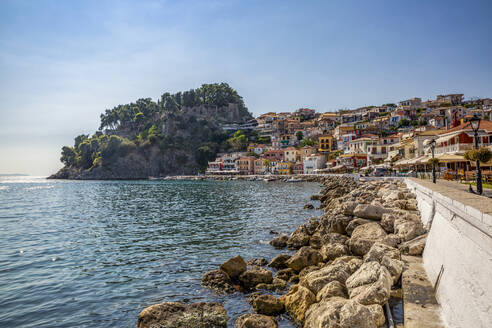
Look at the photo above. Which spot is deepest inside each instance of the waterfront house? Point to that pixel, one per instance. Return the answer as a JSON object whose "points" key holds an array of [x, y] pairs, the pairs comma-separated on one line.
{"points": [[284, 168], [313, 162], [298, 168], [307, 151], [245, 165], [291, 154], [274, 155], [259, 167]]}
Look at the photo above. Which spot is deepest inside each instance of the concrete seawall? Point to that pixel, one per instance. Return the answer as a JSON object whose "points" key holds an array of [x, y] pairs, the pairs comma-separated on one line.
{"points": [[458, 252]]}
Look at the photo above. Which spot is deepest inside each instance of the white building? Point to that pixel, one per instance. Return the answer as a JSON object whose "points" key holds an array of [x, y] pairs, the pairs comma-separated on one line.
{"points": [[313, 162]]}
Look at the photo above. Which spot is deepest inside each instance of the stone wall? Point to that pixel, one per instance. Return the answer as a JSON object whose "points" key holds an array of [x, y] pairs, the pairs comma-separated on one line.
{"points": [[457, 256]]}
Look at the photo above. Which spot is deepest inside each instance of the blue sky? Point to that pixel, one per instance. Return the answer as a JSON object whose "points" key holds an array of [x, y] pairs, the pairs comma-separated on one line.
{"points": [[62, 63]]}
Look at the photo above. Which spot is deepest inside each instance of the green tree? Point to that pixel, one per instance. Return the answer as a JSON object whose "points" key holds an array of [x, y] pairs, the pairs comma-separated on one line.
{"points": [[308, 142], [299, 135], [239, 141], [203, 155], [68, 156]]}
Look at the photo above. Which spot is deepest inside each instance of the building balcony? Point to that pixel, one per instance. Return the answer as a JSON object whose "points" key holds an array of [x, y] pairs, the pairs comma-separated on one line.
{"points": [[453, 148]]}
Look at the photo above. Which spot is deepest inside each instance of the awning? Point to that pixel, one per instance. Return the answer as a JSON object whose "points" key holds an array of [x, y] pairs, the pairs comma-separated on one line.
{"points": [[447, 138], [423, 160], [451, 158]]}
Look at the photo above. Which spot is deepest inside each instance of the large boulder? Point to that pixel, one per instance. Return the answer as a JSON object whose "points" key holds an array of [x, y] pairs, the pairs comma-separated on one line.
{"points": [[407, 230], [304, 257], [415, 246], [297, 301], [338, 312], [332, 251], [234, 267], [279, 241], [219, 281], [335, 223], [257, 261], [354, 224], [279, 261], [267, 304], [298, 238], [332, 289], [316, 280], [388, 257], [370, 284], [349, 207], [353, 263], [388, 222], [251, 320], [255, 276], [178, 315], [364, 236], [370, 211], [377, 314], [285, 274]]}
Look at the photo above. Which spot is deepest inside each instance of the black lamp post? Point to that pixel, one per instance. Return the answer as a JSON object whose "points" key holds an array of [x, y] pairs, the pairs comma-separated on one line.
{"points": [[475, 125], [432, 144]]}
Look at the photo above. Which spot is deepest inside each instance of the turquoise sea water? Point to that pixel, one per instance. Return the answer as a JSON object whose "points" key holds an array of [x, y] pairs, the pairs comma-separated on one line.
{"points": [[95, 253]]}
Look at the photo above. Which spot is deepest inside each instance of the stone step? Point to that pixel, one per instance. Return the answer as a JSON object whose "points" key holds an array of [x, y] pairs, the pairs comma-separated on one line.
{"points": [[420, 307]]}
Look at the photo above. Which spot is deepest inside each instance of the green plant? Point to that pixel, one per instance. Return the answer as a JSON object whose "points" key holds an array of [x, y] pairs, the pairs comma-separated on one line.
{"points": [[482, 154], [434, 161]]}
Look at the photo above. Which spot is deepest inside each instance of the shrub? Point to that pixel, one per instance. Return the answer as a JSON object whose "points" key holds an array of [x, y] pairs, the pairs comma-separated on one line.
{"points": [[482, 154]]}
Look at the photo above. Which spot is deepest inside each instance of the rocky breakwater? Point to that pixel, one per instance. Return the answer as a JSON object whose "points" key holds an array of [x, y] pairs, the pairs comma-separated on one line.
{"points": [[341, 269]]}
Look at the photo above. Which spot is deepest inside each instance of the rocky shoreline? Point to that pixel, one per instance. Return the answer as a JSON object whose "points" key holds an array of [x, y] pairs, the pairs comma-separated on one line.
{"points": [[346, 266]]}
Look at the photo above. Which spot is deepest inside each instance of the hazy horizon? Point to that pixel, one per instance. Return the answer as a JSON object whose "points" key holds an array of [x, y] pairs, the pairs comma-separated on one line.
{"points": [[64, 63]]}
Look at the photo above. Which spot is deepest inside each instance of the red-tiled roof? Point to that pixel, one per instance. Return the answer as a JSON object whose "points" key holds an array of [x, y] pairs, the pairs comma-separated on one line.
{"points": [[485, 125]]}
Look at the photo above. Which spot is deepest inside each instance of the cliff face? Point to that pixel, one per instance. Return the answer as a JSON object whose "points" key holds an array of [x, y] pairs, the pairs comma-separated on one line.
{"points": [[145, 139]]}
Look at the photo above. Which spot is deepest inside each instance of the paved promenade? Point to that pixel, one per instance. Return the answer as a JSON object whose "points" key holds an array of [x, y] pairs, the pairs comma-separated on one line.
{"points": [[459, 193]]}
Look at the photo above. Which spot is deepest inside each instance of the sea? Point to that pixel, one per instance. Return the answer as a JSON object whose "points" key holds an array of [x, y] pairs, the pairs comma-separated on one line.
{"points": [[95, 253]]}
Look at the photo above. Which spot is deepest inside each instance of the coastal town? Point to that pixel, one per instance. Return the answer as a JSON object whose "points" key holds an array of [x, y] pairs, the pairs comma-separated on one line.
{"points": [[378, 140]]}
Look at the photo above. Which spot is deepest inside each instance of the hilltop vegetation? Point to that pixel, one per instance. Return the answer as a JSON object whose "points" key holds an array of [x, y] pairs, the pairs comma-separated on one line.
{"points": [[178, 134]]}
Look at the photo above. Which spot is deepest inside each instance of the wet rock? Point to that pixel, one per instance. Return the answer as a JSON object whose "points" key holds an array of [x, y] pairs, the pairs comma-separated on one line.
{"points": [[219, 281], [234, 267], [370, 284], [338, 312], [311, 226], [332, 289], [304, 257], [309, 207], [298, 238], [297, 301], [279, 261], [255, 276], [364, 236], [175, 314], [268, 305], [316, 197], [260, 261], [280, 241], [415, 246], [316, 280], [354, 224], [369, 211], [255, 321], [276, 285], [285, 274], [407, 230], [332, 251]]}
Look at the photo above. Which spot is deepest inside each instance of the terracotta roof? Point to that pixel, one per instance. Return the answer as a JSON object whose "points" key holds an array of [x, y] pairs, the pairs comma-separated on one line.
{"points": [[485, 125]]}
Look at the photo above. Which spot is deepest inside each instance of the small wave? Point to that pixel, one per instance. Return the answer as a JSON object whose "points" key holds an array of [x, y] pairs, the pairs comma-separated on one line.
{"points": [[4, 187], [39, 187]]}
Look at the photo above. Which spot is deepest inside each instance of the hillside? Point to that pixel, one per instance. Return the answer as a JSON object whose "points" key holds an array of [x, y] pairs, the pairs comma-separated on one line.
{"points": [[178, 134]]}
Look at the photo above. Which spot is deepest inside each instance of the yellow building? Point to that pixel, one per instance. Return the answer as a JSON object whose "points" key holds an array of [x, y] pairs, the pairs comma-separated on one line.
{"points": [[284, 168], [326, 143]]}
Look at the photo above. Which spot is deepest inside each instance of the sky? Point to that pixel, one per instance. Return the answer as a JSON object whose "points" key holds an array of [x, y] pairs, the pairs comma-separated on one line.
{"points": [[62, 63]]}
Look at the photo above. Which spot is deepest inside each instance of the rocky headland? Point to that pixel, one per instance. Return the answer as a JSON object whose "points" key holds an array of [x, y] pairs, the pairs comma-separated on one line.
{"points": [[340, 272]]}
